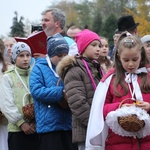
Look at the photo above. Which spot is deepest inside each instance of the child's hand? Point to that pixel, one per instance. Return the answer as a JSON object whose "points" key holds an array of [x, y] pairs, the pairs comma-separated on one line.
{"points": [[144, 105], [27, 129]]}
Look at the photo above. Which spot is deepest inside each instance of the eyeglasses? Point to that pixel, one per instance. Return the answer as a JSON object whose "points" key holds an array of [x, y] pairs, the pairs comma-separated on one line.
{"points": [[116, 36]]}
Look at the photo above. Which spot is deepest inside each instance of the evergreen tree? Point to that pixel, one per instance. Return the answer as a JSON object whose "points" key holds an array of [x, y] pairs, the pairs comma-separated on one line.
{"points": [[17, 29], [109, 26], [84, 10], [97, 23]]}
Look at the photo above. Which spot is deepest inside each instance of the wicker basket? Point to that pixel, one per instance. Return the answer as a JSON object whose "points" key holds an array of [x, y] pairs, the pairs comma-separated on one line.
{"points": [[28, 110], [130, 123]]}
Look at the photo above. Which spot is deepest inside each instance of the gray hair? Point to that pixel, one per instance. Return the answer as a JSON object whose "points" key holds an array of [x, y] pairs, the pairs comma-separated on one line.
{"points": [[9, 39], [58, 15]]}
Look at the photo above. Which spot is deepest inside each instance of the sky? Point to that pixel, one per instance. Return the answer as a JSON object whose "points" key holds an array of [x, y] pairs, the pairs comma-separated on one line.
{"points": [[29, 9]]}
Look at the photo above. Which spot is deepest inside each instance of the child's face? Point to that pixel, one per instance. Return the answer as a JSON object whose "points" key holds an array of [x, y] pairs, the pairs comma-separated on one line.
{"points": [[23, 60], [147, 49], [92, 50], [130, 59], [55, 60], [104, 49]]}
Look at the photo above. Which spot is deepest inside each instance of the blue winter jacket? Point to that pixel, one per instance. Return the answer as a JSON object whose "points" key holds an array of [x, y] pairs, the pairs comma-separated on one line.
{"points": [[49, 115]]}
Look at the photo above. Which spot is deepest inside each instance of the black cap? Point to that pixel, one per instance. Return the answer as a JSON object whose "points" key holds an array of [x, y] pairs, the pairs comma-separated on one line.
{"points": [[126, 23]]}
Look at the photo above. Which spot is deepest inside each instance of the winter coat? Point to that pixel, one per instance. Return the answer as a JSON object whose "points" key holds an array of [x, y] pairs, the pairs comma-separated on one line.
{"points": [[79, 91], [117, 142], [12, 92], [49, 115]]}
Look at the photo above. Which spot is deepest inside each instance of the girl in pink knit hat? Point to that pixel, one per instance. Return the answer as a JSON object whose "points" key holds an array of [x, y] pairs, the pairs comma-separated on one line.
{"points": [[81, 75]]}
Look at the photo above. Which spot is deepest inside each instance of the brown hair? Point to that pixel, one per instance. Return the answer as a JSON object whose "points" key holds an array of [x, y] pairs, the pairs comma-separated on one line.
{"points": [[2, 47], [106, 60], [119, 75]]}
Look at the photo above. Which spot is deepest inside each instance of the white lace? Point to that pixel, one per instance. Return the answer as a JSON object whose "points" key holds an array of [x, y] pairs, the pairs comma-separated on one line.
{"points": [[132, 78]]}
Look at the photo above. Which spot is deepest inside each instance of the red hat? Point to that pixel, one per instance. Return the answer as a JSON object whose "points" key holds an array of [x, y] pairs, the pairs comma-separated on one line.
{"points": [[84, 38]]}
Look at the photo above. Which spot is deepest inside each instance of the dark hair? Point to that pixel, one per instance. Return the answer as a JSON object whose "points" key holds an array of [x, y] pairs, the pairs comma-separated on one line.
{"points": [[117, 31], [134, 42]]}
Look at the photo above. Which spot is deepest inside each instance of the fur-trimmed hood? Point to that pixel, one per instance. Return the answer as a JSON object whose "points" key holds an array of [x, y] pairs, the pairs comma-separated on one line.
{"points": [[64, 65], [71, 61]]}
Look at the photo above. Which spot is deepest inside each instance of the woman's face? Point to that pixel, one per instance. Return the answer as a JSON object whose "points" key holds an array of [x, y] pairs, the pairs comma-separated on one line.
{"points": [[9, 44]]}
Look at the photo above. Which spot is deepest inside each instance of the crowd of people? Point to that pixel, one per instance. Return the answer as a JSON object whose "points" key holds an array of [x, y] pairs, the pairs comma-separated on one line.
{"points": [[77, 91]]}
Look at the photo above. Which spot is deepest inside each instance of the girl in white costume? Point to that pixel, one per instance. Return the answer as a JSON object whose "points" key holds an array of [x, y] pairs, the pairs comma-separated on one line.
{"points": [[130, 79]]}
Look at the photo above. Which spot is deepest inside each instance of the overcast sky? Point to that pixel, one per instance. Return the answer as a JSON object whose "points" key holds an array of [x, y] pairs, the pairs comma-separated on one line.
{"points": [[29, 9]]}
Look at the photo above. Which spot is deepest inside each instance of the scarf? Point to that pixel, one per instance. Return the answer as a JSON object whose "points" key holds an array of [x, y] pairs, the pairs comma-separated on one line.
{"points": [[132, 78]]}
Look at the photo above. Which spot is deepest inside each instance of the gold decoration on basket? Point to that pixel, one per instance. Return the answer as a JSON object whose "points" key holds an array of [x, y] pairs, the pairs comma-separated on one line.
{"points": [[130, 123], [137, 102]]}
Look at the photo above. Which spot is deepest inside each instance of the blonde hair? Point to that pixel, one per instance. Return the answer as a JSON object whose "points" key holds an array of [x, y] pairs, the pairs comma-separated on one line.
{"points": [[2, 47], [9, 39]]}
